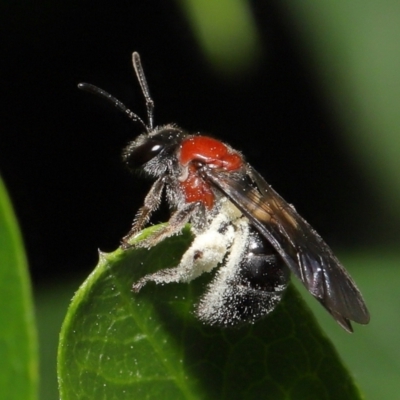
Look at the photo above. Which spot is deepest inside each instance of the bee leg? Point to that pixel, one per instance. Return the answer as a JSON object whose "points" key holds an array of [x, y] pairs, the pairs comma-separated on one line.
{"points": [[151, 203], [207, 250], [175, 224]]}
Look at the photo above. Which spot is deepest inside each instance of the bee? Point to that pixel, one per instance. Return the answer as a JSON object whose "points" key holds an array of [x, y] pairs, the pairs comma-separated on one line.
{"points": [[241, 226]]}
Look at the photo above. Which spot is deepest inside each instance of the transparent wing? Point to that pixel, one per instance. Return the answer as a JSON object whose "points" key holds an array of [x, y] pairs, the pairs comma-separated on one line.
{"points": [[299, 245]]}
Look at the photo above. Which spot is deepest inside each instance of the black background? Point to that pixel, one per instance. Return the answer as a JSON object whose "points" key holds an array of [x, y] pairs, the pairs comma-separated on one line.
{"points": [[60, 152]]}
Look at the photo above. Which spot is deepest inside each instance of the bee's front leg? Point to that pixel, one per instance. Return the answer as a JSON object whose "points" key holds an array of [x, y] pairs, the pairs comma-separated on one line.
{"points": [[151, 203]]}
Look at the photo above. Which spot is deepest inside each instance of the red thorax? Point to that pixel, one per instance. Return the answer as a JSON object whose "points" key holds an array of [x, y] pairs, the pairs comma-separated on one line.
{"points": [[204, 150]]}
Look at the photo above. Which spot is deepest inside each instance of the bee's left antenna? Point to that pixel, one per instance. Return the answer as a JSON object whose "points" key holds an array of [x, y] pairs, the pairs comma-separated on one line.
{"points": [[87, 87]]}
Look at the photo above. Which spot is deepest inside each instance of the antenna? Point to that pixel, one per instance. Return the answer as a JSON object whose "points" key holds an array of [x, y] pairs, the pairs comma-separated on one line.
{"points": [[137, 65], [87, 87]]}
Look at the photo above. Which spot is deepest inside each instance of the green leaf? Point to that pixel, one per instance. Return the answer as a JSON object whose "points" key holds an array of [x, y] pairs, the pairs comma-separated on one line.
{"points": [[18, 347], [354, 51], [116, 344], [218, 24]]}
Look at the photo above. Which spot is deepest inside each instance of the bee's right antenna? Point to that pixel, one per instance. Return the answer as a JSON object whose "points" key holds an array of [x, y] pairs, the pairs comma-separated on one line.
{"points": [[137, 65]]}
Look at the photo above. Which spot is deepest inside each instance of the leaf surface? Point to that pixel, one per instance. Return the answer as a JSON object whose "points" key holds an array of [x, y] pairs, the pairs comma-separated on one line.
{"points": [[116, 344], [18, 341]]}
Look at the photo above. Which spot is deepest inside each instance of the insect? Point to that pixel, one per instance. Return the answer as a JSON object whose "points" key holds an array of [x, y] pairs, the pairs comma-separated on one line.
{"points": [[240, 224]]}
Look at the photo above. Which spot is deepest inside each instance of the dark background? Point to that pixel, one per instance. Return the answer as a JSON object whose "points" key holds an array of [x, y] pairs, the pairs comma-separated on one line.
{"points": [[60, 147]]}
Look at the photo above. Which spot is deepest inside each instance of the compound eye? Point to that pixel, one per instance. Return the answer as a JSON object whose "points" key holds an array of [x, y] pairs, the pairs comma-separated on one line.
{"points": [[136, 157]]}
